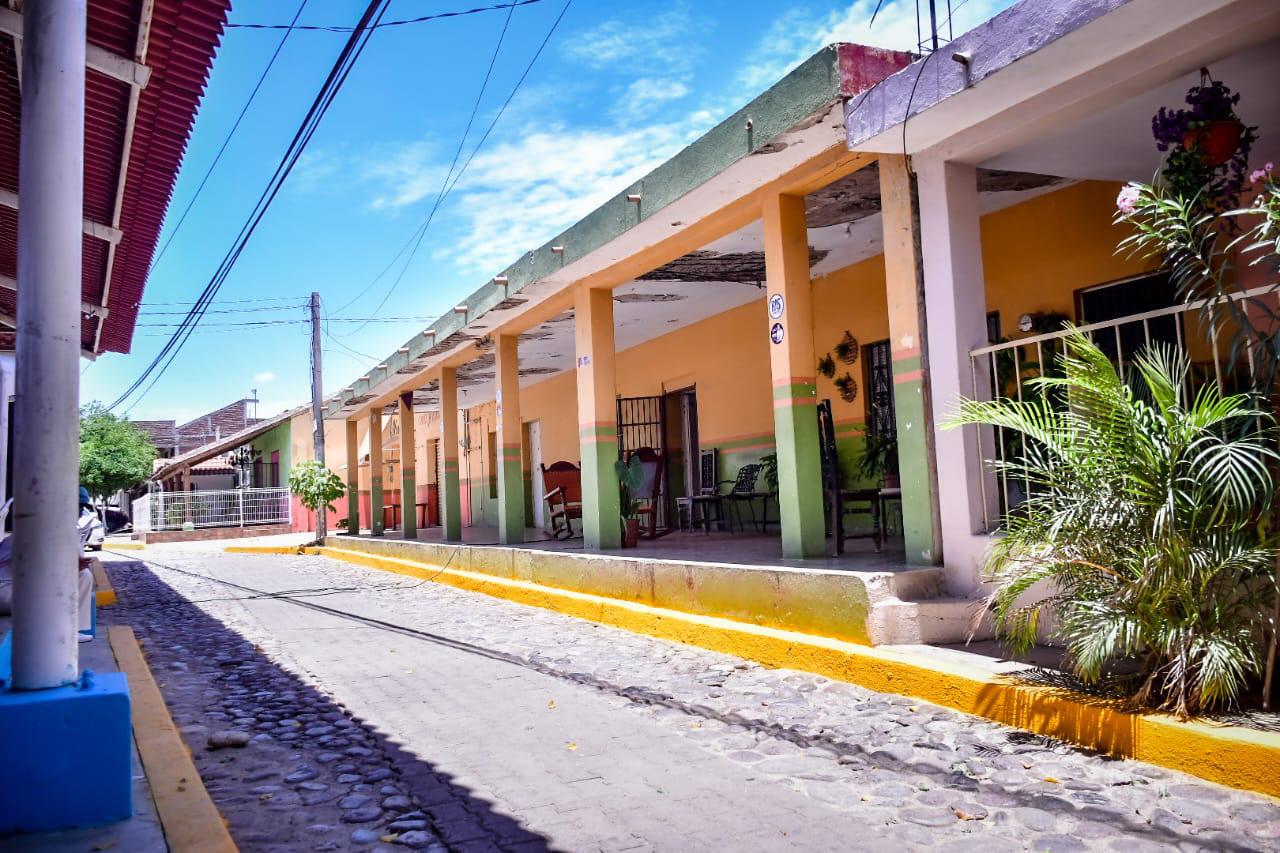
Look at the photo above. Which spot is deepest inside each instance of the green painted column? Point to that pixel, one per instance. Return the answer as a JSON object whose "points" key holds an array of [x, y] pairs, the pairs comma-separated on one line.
{"points": [[789, 325], [450, 487], [375, 471], [353, 478], [904, 298], [597, 418], [511, 519], [408, 469]]}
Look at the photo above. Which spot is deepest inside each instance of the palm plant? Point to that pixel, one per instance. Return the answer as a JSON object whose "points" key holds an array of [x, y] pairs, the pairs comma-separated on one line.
{"points": [[1146, 517]]}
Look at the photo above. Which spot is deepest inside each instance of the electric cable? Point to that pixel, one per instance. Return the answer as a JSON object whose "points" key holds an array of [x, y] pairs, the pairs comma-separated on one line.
{"points": [[384, 25], [421, 232], [333, 83], [226, 141]]}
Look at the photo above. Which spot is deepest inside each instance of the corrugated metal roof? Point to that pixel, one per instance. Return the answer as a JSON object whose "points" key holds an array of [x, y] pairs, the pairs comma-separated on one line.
{"points": [[184, 37]]}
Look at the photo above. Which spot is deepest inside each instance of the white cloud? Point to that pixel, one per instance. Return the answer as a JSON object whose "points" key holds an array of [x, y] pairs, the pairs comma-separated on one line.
{"points": [[644, 95], [407, 174], [264, 377], [654, 44], [800, 32]]}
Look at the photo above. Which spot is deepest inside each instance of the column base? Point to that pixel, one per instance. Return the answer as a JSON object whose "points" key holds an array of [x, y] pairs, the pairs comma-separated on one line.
{"points": [[66, 755]]}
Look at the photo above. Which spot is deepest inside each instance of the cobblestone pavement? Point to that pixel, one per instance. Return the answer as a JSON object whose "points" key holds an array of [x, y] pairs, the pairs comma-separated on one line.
{"points": [[593, 738]]}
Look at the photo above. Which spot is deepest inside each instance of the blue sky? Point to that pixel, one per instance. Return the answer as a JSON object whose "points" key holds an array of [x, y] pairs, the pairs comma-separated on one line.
{"points": [[621, 87]]}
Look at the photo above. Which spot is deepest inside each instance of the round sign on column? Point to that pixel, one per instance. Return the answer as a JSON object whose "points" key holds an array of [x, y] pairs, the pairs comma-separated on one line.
{"points": [[777, 333], [776, 306]]}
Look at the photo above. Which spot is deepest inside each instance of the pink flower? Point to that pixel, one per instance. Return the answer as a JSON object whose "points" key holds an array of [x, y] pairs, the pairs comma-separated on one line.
{"points": [[1260, 175], [1128, 199]]}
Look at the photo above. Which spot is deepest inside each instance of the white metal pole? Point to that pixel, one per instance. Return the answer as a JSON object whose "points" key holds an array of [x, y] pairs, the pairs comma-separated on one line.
{"points": [[46, 417]]}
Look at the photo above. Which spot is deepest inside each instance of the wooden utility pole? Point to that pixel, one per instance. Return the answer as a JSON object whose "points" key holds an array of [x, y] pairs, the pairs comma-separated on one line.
{"points": [[317, 404]]}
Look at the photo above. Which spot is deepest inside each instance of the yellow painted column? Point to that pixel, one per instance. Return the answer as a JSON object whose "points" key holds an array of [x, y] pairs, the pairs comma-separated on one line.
{"points": [[408, 469], [597, 417], [510, 472], [375, 471], [450, 490], [353, 477], [905, 296], [791, 362]]}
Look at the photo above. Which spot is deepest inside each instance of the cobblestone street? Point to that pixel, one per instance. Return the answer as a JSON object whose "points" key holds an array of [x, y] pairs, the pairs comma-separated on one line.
{"points": [[382, 711]]}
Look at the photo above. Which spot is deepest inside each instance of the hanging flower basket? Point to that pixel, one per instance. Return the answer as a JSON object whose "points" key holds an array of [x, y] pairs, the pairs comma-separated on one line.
{"points": [[848, 388], [847, 349], [827, 366], [1216, 141]]}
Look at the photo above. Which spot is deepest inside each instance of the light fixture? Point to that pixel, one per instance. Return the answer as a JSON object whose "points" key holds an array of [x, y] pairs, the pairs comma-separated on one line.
{"points": [[460, 309], [500, 280], [634, 198], [557, 250]]}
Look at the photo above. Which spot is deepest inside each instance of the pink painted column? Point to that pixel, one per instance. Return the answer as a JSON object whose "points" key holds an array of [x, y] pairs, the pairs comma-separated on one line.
{"points": [[956, 307]]}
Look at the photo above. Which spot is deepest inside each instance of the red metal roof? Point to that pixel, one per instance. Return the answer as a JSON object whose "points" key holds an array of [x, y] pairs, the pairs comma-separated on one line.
{"points": [[184, 36]]}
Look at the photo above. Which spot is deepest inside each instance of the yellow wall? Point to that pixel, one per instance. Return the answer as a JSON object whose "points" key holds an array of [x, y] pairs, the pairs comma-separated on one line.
{"points": [[1036, 255]]}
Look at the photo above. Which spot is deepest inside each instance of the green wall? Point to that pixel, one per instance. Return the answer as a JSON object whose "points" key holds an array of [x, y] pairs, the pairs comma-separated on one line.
{"points": [[278, 438]]}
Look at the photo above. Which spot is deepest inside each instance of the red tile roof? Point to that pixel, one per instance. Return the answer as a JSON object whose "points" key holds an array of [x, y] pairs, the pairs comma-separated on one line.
{"points": [[183, 38]]}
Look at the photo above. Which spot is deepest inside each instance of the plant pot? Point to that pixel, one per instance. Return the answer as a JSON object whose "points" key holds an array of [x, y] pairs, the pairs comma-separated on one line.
{"points": [[892, 481], [1216, 142], [631, 533]]}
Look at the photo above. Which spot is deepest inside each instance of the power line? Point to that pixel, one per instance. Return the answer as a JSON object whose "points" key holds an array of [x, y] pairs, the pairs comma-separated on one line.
{"points": [[227, 141], [383, 25], [298, 299], [333, 83], [462, 141], [421, 232]]}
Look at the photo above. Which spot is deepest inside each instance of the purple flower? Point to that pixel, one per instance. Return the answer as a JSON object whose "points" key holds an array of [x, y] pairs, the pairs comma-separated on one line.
{"points": [[1127, 201], [1260, 175]]}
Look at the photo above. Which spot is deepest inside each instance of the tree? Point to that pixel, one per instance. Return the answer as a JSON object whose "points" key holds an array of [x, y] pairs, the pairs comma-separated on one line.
{"points": [[1142, 511], [316, 486], [114, 454]]}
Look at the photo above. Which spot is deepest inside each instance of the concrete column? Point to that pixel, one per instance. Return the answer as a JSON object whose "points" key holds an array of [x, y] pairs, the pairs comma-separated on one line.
{"points": [[375, 471], [408, 470], [46, 420], [904, 294], [956, 305], [450, 488], [793, 368], [353, 477], [510, 472], [597, 418]]}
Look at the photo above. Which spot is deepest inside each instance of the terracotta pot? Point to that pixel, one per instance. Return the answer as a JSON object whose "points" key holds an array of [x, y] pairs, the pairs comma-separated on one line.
{"points": [[1216, 142], [631, 533]]}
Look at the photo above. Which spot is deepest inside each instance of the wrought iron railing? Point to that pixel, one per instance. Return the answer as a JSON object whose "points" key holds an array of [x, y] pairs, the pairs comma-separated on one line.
{"points": [[160, 511], [1003, 370]]}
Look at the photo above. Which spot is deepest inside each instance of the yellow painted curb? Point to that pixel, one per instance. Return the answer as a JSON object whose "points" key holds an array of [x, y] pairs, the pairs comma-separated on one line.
{"points": [[1229, 755], [264, 549], [104, 594], [191, 822], [125, 546]]}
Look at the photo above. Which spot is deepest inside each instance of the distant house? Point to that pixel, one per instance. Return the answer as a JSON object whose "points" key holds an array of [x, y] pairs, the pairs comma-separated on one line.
{"points": [[170, 439]]}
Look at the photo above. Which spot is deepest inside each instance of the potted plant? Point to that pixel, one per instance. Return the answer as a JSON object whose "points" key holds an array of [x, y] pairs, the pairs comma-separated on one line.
{"points": [[1207, 144], [827, 366], [848, 388], [879, 460], [630, 479], [847, 349]]}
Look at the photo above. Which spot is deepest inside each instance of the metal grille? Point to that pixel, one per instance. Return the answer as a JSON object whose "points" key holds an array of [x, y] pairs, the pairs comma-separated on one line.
{"points": [[1003, 370], [160, 511], [881, 417], [642, 422]]}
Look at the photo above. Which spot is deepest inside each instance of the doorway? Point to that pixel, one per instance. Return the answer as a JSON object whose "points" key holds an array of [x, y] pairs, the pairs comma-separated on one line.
{"points": [[682, 439], [534, 431]]}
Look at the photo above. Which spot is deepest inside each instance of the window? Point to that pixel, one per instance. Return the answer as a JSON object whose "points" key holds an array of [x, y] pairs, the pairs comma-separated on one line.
{"points": [[877, 360]]}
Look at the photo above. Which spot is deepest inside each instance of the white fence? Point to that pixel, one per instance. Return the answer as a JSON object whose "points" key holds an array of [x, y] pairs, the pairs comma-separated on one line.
{"points": [[160, 511], [1006, 367]]}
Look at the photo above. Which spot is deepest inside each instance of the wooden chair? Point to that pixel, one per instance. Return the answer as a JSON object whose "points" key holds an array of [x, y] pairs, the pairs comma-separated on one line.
{"points": [[839, 500], [563, 482], [649, 494]]}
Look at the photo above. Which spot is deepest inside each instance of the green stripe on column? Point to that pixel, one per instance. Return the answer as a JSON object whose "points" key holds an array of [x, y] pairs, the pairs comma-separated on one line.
{"points": [[510, 498], [375, 506], [451, 504], [799, 479], [408, 504], [601, 522], [913, 470], [353, 506]]}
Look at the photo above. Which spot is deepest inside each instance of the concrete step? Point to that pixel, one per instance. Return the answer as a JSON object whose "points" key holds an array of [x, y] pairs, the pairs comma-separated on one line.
{"points": [[943, 619]]}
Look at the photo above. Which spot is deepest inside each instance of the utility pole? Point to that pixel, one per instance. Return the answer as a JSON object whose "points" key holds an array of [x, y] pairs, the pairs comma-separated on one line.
{"points": [[317, 401]]}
